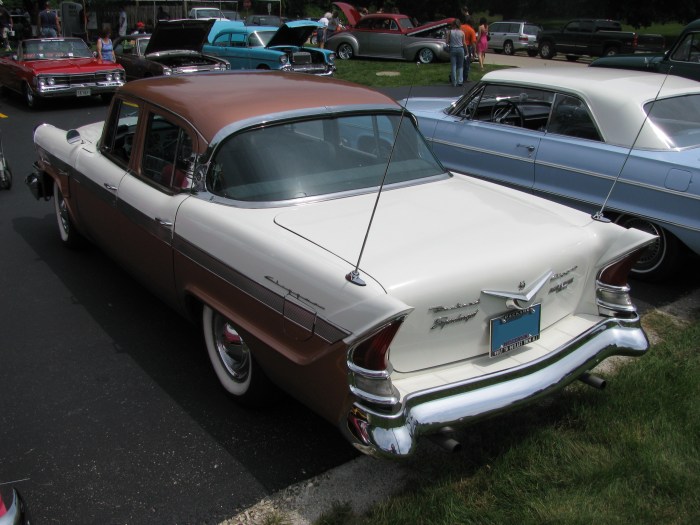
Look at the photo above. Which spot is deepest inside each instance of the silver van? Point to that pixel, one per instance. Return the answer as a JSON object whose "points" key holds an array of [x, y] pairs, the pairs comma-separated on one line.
{"points": [[511, 36]]}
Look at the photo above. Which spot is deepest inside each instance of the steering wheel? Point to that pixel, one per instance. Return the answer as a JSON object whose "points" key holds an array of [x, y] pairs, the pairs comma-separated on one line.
{"points": [[507, 112]]}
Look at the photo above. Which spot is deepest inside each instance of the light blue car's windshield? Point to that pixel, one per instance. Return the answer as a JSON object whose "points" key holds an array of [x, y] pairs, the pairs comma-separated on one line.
{"points": [[319, 157], [676, 121]]}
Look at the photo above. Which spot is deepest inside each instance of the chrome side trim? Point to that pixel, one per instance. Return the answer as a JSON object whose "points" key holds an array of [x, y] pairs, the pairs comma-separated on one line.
{"points": [[295, 312], [395, 434], [159, 229], [528, 160]]}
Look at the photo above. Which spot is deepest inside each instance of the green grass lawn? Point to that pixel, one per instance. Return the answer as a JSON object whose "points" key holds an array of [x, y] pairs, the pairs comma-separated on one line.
{"points": [[382, 73], [627, 455]]}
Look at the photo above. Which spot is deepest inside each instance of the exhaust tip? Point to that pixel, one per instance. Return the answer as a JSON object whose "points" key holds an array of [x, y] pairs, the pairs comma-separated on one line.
{"points": [[592, 380], [445, 440]]}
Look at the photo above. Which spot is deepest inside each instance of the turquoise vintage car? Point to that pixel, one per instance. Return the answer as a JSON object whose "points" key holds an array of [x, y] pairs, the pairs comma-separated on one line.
{"points": [[683, 59], [268, 47], [622, 145]]}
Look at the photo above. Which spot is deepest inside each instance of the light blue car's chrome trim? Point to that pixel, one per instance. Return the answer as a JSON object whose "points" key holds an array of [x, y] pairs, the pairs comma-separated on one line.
{"points": [[394, 434], [559, 197], [528, 160], [625, 181]]}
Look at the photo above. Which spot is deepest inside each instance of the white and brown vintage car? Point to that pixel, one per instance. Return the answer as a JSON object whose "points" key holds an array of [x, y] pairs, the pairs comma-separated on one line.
{"points": [[324, 249]]}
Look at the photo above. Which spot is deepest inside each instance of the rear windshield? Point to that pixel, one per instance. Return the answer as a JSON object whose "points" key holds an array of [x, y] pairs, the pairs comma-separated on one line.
{"points": [[316, 157], [675, 120]]}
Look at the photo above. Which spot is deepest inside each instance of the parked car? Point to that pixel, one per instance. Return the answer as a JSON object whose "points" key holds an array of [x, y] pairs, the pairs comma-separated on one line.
{"points": [[44, 68], [683, 59], [174, 48], [265, 20], [596, 38], [389, 35], [510, 36], [251, 47], [206, 13], [321, 245], [591, 138], [231, 15]]}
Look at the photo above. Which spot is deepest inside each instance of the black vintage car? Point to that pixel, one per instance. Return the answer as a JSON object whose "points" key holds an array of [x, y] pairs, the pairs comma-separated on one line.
{"points": [[175, 47]]}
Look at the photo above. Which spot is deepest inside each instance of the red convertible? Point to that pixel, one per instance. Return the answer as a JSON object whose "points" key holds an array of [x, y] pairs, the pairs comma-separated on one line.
{"points": [[58, 67]]}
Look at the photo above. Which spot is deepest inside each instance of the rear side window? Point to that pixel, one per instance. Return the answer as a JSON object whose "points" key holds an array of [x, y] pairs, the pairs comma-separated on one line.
{"points": [[167, 154], [570, 117], [675, 120]]}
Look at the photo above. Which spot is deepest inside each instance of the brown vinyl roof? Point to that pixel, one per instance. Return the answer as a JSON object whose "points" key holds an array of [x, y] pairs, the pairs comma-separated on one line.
{"points": [[212, 101]]}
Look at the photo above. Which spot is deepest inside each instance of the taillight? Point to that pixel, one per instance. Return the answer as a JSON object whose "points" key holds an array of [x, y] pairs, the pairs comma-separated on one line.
{"points": [[612, 290], [369, 369], [373, 353], [616, 274]]}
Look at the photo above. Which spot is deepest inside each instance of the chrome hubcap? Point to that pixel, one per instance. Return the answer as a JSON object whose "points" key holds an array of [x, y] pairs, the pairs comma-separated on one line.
{"points": [[63, 213], [654, 253], [233, 351]]}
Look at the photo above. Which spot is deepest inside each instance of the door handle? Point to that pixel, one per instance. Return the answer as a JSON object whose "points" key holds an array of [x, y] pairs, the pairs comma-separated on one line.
{"points": [[529, 147], [110, 187], [163, 222]]}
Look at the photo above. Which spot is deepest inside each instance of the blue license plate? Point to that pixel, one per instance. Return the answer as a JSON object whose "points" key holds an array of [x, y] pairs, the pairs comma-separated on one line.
{"points": [[515, 329]]}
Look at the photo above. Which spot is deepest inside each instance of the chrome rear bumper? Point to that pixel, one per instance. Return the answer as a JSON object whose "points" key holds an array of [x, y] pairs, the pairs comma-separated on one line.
{"points": [[395, 434]]}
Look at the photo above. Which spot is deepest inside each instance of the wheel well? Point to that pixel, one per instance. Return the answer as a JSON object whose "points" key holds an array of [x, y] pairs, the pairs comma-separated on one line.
{"points": [[193, 307]]}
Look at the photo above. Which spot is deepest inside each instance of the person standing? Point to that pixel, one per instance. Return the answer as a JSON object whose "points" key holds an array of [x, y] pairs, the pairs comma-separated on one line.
{"points": [[6, 23], [49, 24], [470, 42], [321, 34], [123, 21], [482, 41], [334, 25], [105, 48], [457, 45]]}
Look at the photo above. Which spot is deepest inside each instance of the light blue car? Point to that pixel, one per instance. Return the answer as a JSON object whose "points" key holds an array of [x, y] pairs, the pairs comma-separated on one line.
{"points": [[263, 47], [624, 143]]}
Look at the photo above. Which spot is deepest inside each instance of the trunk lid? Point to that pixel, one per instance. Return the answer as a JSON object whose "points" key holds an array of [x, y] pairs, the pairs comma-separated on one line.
{"points": [[421, 250]]}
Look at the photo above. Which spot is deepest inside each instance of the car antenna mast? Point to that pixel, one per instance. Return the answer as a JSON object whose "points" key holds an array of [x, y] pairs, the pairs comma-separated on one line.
{"points": [[599, 215], [354, 275]]}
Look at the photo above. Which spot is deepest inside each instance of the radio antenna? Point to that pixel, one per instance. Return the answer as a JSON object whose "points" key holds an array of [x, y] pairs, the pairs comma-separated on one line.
{"points": [[354, 276], [599, 216]]}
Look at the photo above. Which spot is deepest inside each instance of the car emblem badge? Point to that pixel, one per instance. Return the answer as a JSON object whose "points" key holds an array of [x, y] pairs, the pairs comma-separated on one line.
{"points": [[524, 298], [521, 286]]}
